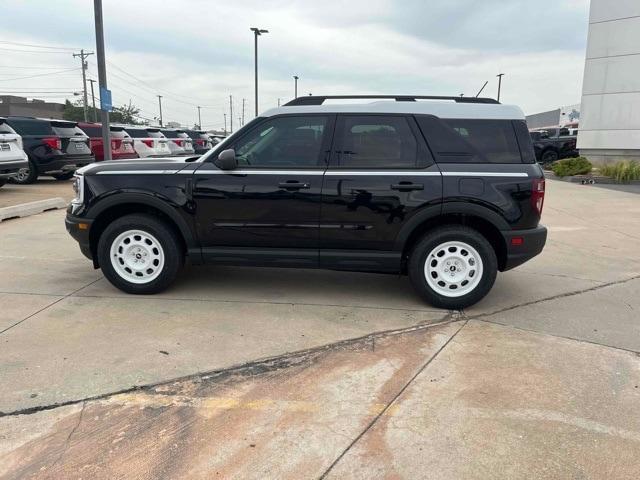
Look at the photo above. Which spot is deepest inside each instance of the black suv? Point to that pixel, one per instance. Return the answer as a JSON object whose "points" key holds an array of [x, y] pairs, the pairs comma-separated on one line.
{"points": [[445, 190], [54, 147]]}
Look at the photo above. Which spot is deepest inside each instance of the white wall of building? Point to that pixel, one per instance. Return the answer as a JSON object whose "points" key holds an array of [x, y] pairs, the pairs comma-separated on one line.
{"points": [[610, 113]]}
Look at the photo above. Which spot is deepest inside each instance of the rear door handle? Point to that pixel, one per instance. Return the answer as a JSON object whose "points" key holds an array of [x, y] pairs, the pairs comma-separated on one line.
{"points": [[293, 185], [407, 186]]}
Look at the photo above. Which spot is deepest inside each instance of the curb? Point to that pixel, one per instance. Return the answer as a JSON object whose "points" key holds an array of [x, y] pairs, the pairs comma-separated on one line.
{"points": [[31, 208]]}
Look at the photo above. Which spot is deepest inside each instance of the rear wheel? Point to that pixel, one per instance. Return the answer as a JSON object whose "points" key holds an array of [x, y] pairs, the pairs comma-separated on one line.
{"points": [[549, 156], [63, 176], [453, 267], [27, 175], [140, 254]]}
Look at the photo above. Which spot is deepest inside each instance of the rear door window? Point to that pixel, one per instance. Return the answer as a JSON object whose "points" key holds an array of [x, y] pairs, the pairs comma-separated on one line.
{"points": [[36, 128], [470, 140], [375, 141]]}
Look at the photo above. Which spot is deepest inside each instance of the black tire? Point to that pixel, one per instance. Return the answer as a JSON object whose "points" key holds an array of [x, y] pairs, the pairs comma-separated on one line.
{"points": [[165, 235], [63, 176], [549, 156], [30, 176], [2, 182], [439, 236]]}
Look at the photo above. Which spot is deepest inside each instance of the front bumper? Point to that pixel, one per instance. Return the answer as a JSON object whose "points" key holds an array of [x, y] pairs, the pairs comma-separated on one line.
{"points": [[523, 245], [11, 168], [65, 164], [79, 229]]}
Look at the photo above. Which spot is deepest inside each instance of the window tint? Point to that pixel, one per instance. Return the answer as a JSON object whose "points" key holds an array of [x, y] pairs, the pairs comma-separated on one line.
{"points": [[138, 132], [170, 133], [283, 142], [93, 131], [68, 131], [373, 141], [471, 141], [524, 141], [31, 127]]}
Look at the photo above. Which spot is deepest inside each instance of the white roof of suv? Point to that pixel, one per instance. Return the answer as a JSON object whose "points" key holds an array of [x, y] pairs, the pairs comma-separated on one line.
{"points": [[443, 107]]}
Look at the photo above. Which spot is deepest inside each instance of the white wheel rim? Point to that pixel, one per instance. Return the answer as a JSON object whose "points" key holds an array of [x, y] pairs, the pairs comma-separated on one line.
{"points": [[453, 269], [137, 256]]}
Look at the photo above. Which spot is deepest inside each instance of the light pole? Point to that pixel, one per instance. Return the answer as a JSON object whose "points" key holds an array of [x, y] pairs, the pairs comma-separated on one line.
{"points": [[256, 33], [160, 105], [102, 77], [93, 99], [500, 75], [225, 124], [199, 119], [295, 80]]}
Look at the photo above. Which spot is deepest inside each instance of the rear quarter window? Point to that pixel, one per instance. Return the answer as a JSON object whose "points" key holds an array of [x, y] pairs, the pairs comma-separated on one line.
{"points": [[471, 140], [31, 127]]}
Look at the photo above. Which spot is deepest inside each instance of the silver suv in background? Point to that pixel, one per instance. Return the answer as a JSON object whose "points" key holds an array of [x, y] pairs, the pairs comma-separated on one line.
{"points": [[179, 142], [12, 156], [148, 141]]}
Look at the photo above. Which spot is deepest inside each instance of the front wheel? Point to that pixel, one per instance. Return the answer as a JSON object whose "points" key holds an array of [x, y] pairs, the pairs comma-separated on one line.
{"points": [[453, 267], [140, 254]]}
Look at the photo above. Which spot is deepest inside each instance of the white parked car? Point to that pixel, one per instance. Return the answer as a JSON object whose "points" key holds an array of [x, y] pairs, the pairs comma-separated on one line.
{"points": [[179, 142], [12, 156], [149, 141]]}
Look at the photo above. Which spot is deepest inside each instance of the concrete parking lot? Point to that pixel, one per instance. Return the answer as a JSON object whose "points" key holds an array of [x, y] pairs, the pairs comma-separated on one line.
{"points": [[265, 373]]}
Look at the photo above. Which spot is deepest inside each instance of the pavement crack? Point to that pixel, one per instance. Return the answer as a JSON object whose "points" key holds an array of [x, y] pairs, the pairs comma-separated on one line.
{"points": [[390, 403], [67, 442], [252, 368], [49, 305]]}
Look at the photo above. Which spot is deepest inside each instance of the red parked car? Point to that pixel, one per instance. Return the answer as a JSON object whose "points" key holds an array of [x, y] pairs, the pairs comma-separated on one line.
{"points": [[121, 141]]}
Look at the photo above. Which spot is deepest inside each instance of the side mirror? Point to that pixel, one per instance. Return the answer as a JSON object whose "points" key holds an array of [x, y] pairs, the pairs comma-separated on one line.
{"points": [[227, 160]]}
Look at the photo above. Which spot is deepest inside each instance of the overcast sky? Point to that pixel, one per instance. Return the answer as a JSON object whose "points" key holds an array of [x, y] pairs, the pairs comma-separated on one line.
{"points": [[198, 52]]}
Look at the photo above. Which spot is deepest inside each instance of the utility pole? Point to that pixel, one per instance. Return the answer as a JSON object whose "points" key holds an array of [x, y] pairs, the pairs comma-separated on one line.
{"points": [[83, 62], [160, 105], [295, 80], [199, 119], [93, 101], [242, 123], [256, 33], [225, 124], [278, 101], [500, 75], [102, 77], [231, 113]]}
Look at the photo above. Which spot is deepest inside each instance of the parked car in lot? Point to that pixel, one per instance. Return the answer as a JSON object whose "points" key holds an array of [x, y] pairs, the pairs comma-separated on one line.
{"points": [[447, 191], [53, 147], [179, 142], [148, 141], [121, 142], [551, 144], [201, 141], [12, 156], [216, 139]]}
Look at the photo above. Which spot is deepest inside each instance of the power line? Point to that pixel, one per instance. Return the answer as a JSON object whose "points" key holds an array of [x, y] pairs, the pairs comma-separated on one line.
{"points": [[39, 75], [36, 46], [29, 68], [33, 51]]}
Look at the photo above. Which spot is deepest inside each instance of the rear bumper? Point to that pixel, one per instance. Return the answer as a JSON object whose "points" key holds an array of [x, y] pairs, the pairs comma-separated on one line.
{"points": [[79, 229], [10, 169], [531, 244], [65, 164]]}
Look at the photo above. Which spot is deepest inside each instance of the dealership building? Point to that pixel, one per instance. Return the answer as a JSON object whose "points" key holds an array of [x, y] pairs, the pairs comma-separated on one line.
{"points": [[610, 113]]}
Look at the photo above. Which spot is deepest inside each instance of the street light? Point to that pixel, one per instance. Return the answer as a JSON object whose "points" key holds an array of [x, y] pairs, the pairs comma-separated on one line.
{"points": [[295, 80], [256, 32]]}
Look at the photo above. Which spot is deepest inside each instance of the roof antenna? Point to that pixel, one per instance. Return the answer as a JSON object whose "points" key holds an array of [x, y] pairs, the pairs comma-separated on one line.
{"points": [[485, 84]]}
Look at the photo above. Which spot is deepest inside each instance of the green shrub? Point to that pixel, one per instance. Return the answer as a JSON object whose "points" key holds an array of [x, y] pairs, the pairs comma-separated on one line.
{"points": [[623, 171], [571, 166]]}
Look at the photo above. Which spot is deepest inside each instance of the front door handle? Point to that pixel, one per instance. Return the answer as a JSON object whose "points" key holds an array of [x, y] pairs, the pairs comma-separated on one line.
{"points": [[407, 186], [293, 185]]}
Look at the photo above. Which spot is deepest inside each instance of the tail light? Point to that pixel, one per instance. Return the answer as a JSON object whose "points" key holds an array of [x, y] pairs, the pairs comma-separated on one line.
{"points": [[200, 141], [537, 195], [115, 144], [148, 143], [95, 142], [178, 142], [53, 142]]}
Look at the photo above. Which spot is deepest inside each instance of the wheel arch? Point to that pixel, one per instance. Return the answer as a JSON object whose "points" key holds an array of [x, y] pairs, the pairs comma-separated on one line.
{"points": [[487, 222], [109, 209]]}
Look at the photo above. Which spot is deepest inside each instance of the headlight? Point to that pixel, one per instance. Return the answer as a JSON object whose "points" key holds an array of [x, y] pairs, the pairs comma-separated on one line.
{"points": [[78, 189]]}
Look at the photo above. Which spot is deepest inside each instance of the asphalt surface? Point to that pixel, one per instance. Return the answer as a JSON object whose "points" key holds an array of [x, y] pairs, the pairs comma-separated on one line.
{"points": [[267, 373]]}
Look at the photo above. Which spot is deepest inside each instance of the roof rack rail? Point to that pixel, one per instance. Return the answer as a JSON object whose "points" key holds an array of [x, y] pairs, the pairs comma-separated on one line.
{"points": [[319, 99]]}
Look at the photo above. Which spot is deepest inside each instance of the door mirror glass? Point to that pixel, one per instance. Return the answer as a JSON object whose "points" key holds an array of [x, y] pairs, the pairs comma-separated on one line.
{"points": [[227, 159]]}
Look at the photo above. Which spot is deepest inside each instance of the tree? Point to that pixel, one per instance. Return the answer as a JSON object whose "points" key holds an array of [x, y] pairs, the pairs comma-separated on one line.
{"points": [[128, 114]]}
